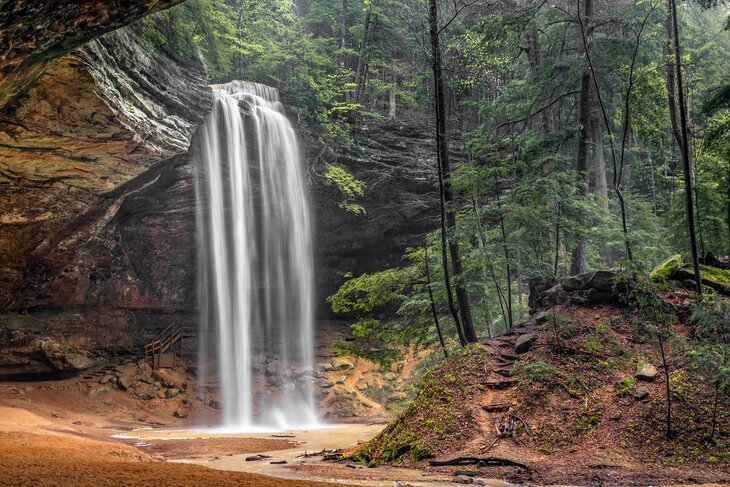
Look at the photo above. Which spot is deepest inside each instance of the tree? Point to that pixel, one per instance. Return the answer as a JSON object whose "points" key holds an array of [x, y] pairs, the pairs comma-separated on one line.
{"points": [[684, 147], [462, 313]]}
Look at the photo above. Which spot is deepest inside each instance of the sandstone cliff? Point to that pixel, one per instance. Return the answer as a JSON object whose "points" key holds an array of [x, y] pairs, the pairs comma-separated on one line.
{"points": [[97, 202]]}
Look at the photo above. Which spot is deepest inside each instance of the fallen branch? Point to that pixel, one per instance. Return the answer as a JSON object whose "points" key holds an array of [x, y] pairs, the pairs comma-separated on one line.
{"points": [[482, 461], [485, 449]]}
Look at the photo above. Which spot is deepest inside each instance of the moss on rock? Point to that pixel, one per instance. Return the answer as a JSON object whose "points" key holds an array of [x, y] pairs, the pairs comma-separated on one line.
{"points": [[664, 271]]}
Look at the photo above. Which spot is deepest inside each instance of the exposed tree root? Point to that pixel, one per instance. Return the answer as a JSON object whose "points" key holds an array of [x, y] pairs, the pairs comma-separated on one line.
{"points": [[482, 461]]}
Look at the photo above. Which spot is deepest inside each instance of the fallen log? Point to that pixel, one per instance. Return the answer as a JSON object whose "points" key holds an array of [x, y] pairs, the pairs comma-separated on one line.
{"points": [[483, 461]]}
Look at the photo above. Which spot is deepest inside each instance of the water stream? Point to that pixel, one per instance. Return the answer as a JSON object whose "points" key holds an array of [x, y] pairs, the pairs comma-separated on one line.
{"points": [[255, 286]]}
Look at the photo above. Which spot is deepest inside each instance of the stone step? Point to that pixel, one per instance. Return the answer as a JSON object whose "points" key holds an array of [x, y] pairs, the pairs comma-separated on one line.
{"points": [[500, 383]]}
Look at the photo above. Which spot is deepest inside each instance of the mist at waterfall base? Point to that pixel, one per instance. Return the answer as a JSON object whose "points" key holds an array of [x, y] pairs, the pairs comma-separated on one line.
{"points": [[255, 284]]}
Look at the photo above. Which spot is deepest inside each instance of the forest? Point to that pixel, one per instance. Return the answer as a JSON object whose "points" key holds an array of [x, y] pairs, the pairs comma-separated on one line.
{"points": [[563, 122], [490, 235]]}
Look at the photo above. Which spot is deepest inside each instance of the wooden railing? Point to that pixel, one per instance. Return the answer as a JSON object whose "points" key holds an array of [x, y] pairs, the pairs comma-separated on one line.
{"points": [[165, 342]]}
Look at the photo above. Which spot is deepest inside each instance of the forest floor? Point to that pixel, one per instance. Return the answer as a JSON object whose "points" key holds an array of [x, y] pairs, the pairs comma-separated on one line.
{"points": [[569, 408]]}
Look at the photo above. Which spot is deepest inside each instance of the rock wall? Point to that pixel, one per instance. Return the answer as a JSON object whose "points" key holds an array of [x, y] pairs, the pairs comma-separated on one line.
{"points": [[396, 160], [97, 233], [97, 207], [34, 33]]}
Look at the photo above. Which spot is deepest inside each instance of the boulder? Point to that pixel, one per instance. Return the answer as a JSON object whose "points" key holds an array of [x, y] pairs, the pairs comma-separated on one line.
{"points": [[64, 357], [145, 391], [589, 288], [666, 270], [180, 414], [524, 343], [98, 391], [325, 384], [125, 382], [325, 367], [462, 479], [340, 363], [596, 281], [170, 393], [390, 376], [640, 393], [645, 371]]}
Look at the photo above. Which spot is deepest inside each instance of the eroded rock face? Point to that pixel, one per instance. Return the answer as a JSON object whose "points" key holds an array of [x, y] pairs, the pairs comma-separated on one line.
{"points": [[102, 115], [33, 33], [397, 163], [97, 234]]}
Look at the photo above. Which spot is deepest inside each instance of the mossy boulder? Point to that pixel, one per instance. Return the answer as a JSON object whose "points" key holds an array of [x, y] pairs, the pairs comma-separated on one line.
{"points": [[675, 268], [664, 271], [712, 277], [645, 371]]}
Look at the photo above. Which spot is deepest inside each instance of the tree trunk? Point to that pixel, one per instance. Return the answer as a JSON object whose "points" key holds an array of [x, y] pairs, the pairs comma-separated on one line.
{"points": [[433, 303], [598, 166], [506, 263], [685, 150], [360, 68], [668, 390], [670, 54], [392, 101], [578, 261], [343, 26], [442, 155]]}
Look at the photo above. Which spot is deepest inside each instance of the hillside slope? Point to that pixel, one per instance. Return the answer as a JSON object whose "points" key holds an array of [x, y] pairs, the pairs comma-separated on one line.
{"points": [[583, 403]]}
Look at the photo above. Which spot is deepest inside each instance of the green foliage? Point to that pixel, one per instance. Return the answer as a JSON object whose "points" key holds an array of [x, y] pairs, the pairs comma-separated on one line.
{"points": [[712, 351], [350, 187], [535, 371], [369, 291], [625, 386], [587, 422]]}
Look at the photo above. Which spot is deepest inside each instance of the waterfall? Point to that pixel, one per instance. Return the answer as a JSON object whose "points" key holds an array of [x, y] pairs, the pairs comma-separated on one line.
{"points": [[255, 285]]}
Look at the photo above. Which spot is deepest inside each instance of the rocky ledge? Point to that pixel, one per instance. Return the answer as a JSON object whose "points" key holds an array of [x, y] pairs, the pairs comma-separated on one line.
{"points": [[34, 33]]}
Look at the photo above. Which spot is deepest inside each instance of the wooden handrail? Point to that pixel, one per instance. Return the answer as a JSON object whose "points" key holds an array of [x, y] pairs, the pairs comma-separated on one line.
{"points": [[165, 340]]}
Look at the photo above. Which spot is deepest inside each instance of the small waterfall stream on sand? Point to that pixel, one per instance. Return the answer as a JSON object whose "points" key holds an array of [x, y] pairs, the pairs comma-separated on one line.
{"points": [[255, 285]]}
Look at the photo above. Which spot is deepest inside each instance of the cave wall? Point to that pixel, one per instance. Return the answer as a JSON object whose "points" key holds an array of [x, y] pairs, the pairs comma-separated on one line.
{"points": [[34, 33], [97, 227]]}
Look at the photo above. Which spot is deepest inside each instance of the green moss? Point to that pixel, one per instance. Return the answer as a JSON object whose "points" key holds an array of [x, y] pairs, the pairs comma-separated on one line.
{"points": [[666, 269], [436, 416], [624, 386], [718, 279], [586, 422], [712, 277]]}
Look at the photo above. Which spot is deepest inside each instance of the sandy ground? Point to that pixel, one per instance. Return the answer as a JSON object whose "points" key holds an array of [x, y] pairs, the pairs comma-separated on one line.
{"points": [[40, 451]]}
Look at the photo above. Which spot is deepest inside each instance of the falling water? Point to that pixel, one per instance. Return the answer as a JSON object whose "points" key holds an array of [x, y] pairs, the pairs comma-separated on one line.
{"points": [[255, 260]]}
